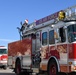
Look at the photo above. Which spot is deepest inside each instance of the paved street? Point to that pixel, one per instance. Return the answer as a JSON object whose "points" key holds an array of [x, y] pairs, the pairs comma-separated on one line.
{"points": [[10, 72], [6, 72]]}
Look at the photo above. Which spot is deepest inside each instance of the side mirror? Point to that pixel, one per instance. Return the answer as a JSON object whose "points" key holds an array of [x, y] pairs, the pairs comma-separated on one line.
{"points": [[65, 27], [58, 40]]}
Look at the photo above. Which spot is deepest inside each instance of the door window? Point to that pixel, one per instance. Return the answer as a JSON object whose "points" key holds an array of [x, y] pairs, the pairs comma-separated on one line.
{"points": [[44, 38], [51, 37]]}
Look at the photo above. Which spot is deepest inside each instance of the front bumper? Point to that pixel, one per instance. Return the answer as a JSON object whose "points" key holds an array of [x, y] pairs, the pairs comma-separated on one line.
{"points": [[3, 63]]}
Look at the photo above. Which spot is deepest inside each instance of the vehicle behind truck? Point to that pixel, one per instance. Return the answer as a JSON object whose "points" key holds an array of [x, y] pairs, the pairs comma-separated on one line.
{"points": [[3, 57]]}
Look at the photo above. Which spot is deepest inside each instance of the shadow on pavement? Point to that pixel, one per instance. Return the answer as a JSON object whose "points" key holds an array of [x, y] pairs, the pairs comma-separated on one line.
{"points": [[24, 73], [72, 73], [62, 73], [7, 74]]}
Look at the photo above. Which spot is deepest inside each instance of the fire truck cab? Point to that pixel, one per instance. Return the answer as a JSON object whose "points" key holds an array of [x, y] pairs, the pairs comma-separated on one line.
{"points": [[47, 45]]}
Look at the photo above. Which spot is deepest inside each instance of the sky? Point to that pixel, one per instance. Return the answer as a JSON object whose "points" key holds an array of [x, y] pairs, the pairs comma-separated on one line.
{"points": [[12, 12]]}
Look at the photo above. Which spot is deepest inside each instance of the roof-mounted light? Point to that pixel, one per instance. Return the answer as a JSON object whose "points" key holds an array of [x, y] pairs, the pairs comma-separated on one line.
{"points": [[61, 15]]}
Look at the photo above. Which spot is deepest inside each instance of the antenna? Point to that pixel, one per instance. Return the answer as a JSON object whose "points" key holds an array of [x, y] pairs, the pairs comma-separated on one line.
{"points": [[21, 23], [19, 30]]}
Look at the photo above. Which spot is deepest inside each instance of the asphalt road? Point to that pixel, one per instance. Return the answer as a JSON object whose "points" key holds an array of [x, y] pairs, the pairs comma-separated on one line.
{"points": [[10, 72], [6, 72]]}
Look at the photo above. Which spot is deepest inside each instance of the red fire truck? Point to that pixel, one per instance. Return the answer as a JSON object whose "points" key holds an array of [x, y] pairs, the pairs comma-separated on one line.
{"points": [[47, 45], [3, 57]]}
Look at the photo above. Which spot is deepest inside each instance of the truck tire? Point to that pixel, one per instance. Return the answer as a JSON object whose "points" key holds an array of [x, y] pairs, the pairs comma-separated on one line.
{"points": [[18, 67], [5, 67], [52, 68]]}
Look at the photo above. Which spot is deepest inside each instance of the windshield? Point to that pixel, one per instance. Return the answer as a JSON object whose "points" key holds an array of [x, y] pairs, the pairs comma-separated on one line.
{"points": [[3, 51], [72, 33]]}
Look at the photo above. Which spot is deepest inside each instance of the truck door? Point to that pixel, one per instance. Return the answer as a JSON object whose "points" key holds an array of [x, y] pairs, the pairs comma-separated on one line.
{"points": [[36, 44]]}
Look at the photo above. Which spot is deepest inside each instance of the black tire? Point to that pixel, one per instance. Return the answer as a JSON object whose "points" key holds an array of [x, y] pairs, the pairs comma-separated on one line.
{"points": [[72, 73], [24, 73], [52, 68], [18, 67], [62, 73], [5, 67]]}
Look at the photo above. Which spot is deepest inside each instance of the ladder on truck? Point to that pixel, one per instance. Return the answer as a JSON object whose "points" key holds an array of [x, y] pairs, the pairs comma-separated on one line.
{"points": [[70, 13]]}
